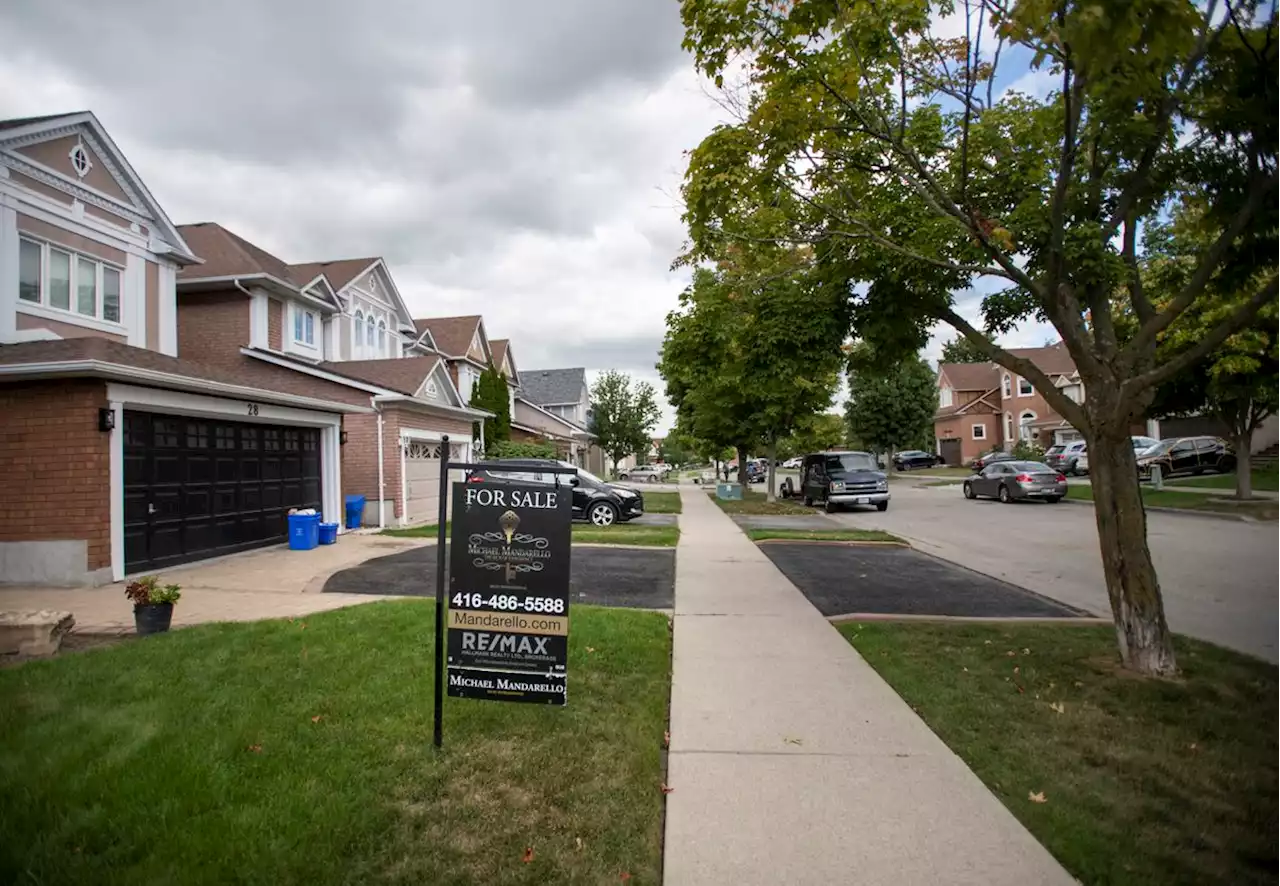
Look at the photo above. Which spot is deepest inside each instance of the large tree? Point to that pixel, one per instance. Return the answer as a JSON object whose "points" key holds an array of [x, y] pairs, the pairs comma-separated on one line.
{"points": [[893, 148], [891, 406], [622, 415], [825, 430], [490, 394], [961, 350]]}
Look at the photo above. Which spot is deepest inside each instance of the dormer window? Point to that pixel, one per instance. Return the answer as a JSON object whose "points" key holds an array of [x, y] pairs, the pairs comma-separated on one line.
{"points": [[80, 161], [304, 327]]}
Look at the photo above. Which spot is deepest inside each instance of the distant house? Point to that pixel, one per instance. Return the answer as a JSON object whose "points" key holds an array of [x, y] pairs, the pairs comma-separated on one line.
{"points": [[983, 406], [563, 393]]}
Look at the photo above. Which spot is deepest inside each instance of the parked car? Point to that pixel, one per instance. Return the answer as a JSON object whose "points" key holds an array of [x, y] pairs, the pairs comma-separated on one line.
{"points": [[594, 500], [1187, 455], [909, 459], [1065, 456], [1082, 461], [647, 473], [1142, 444], [989, 457], [793, 463], [1010, 480], [840, 479], [758, 470]]}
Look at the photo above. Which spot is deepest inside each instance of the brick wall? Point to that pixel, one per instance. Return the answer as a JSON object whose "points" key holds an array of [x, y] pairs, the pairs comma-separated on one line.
{"points": [[213, 327], [275, 325], [360, 455], [56, 466], [961, 426]]}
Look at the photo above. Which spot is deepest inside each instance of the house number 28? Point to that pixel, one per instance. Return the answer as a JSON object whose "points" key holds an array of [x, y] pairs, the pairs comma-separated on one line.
{"points": [[253, 408]]}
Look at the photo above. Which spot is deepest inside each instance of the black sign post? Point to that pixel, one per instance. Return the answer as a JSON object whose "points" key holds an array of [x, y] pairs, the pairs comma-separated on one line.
{"points": [[508, 612]]}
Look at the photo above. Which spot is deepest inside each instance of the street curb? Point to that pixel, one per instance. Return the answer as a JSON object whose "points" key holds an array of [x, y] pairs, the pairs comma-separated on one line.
{"points": [[1183, 512], [848, 542], [970, 619]]}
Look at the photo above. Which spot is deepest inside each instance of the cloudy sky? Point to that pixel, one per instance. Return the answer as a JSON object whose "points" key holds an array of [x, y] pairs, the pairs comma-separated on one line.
{"points": [[519, 160]]}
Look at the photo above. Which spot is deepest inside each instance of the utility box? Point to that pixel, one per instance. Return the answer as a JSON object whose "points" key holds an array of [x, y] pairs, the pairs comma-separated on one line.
{"points": [[729, 491]]}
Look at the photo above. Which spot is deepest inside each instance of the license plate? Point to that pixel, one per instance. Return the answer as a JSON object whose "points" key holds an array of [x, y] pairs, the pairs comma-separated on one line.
{"points": [[861, 501]]}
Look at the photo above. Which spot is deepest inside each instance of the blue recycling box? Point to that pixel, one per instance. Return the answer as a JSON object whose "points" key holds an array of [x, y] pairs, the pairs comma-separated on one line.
{"points": [[328, 533], [355, 511], [304, 531], [729, 491]]}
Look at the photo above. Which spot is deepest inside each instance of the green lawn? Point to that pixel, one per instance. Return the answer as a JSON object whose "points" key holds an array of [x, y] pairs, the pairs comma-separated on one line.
{"points": [[662, 502], [1263, 481], [626, 534], [1143, 781], [300, 752], [1262, 509], [822, 535], [754, 503], [935, 472], [428, 530]]}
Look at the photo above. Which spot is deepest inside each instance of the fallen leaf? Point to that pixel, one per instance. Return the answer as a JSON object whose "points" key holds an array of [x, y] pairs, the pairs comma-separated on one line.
{"points": [[579, 843], [1011, 653], [590, 649], [667, 790], [304, 626], [528, 855], [1021, 691], [257, 748], [316, 718], [966, 670], [666, 739], [1016, 669], [1192, 746], [1037, 797], [1026, 652], [624, 876], [792, 740], [1059, 707], [986, 642], [1079, 685]]}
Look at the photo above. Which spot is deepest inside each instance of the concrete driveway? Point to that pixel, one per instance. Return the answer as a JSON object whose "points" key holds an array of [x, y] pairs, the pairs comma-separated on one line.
{"points": [[1219, 577]]}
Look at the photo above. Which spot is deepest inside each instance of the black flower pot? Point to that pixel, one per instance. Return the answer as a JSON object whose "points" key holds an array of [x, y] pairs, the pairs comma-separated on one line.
{"points": [[152, 618]]}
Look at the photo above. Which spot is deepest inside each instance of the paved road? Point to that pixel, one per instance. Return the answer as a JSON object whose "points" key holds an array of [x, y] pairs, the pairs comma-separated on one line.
{"points": [[1219, 577]]}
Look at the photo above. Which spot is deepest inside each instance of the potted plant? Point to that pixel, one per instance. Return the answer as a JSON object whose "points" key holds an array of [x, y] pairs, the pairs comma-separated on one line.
{"points": [[152, 604]]}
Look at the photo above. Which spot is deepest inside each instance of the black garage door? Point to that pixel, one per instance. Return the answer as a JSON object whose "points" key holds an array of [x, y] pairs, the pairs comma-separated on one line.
{"points": [[197, 487]]}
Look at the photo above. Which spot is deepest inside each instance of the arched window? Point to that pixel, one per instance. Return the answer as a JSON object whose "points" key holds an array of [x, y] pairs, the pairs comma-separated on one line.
{"points": [[382, 337], [358, 338], [1008, 386], [1008, 427], [1025, 431], [369, 332]]}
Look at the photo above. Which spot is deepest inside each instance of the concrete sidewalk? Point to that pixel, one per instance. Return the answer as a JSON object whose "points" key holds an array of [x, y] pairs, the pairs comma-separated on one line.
{"points": [[791, 761]]}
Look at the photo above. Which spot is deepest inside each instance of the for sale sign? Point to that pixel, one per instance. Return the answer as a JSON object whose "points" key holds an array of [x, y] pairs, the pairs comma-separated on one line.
{"points": [[509, 592]]}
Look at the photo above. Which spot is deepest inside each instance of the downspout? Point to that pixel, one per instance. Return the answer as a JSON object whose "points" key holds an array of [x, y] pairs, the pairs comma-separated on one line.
{"points": [[382, 509]]}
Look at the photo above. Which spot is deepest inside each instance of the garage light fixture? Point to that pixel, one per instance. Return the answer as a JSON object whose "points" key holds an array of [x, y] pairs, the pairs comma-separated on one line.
{"points": [[106, 419], [342, 438]]}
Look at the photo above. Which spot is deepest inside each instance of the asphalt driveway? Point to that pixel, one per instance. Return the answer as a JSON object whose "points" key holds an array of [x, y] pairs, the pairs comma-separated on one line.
{"points": [[868, 579], [600, 576]]}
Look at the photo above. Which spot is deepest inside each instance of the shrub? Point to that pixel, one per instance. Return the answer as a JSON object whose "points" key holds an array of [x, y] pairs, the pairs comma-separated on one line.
{"points": [[148, 590], [514, 449], [1024, 450]]}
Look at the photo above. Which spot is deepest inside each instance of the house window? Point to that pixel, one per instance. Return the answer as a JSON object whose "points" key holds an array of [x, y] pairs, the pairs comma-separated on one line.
{"points": [[304, 326], [1008, 426], [368, 333], [1024, 387], [80, 161], [1008, 387], [382, 337], [1025, 431], [979, 432], [944, 397], [48, 276], [358, 338]]}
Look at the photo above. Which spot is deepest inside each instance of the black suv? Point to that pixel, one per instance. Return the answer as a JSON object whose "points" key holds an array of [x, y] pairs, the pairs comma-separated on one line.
{"points": [[838, 479], [594, 500], [1187, 455]]}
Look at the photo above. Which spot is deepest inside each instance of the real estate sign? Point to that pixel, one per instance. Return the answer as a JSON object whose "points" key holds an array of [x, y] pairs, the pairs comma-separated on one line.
{"points": [[509, 592]]}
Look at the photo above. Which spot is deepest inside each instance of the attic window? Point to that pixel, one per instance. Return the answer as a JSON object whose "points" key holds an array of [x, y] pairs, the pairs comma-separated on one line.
{"points": [[80, 161], [373, 284]]}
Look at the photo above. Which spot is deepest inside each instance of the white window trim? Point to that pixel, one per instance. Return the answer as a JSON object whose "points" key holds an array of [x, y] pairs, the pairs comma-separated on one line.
{"points": [[70, 314], [295, 316], [1025, 422], [1006, 386], [1008, 427], [1030, 393], [974, 429], [944, 396]]}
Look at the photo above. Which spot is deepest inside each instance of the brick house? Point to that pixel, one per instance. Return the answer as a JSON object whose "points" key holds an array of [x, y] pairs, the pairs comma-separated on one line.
{"points": [[564, 395], [983, 406], [463, 344], [246, 309], [129, 446]]}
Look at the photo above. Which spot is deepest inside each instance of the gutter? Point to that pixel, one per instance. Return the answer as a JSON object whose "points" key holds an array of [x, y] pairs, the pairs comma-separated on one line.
{"points": [[465, 412], [155, 378], [382, 517]]}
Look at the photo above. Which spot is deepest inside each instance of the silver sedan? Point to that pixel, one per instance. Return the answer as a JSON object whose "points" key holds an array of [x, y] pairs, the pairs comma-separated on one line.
{"points": [[1015, 480]]}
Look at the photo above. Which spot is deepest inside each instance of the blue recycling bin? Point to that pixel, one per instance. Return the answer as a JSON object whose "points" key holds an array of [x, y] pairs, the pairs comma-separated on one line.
{"points": [[304, 531], [328, 533], [729, 491], [355, 511]]}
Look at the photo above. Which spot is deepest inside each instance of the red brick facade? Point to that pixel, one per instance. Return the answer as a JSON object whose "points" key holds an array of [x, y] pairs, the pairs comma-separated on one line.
{"points": [[213, 326], [56, 466], [360, 454], [275, 325]]}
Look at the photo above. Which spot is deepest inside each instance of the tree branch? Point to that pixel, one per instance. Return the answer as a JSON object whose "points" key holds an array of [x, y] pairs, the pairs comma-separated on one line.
{"points": [[1201, 349], [1066, 407], [1137, 295]]}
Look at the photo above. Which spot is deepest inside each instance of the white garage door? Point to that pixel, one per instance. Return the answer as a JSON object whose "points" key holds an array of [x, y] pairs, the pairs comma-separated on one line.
{"points": [[422, 478]]}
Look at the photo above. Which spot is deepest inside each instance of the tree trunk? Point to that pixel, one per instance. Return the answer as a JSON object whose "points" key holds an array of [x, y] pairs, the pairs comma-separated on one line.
{"points": [[770, 494], [742, 468], [1137, 608], [1244, 461]]}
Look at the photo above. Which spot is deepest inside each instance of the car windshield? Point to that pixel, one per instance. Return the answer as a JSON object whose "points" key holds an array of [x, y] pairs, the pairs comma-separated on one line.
{"points": [[583, 474], [1160, 448], [851, 461], [1032, 467], [1054, 450], [1141, 444]]}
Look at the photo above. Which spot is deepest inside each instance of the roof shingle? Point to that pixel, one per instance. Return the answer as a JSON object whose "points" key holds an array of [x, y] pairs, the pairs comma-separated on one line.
{"points": [[452, 334], [553, 386], [339, 272], [401, 374], [971, 376], [226, 254]]}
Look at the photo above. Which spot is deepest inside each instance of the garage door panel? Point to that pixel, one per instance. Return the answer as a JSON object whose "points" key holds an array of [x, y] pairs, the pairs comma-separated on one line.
{"points": [[195, 487]]}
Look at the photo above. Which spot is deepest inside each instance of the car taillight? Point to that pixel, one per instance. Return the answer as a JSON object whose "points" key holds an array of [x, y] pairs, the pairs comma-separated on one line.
{"points": [[1061, 478], [1023, 478], [475, 478]]}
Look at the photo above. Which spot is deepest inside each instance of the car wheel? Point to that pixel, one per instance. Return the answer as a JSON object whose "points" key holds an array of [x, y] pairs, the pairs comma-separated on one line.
{"points": [[808, 502], [1053, 499], [1198, 471], [652, 479], [968, 491], [1004, 494], [830, 507], [882, 506], [624, 476], [603, 514]]}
